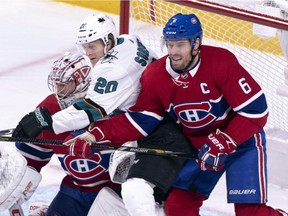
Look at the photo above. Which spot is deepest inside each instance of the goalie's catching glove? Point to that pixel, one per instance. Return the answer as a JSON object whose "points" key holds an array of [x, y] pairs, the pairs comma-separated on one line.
{"points": [[33, 124], [214, 152], [81, 145], [120, 163]]}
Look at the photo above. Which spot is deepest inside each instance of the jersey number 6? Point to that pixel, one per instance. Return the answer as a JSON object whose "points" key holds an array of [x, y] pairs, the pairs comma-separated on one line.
{"points": [[244, 85]]}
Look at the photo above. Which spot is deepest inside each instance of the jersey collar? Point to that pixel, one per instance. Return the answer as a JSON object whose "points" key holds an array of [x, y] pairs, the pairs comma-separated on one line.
{"points": [[176, 75]]}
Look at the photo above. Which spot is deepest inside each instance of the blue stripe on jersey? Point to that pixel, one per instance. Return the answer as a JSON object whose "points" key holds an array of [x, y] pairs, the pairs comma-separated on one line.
{"points": [[219, 107], [44, 154], [77, 132], [143, 122], [171, 113], [254, 109]]}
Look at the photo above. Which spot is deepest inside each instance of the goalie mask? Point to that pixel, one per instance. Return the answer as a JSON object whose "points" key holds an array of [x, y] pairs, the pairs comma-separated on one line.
{"points": [[96, 27], [70, 78]]}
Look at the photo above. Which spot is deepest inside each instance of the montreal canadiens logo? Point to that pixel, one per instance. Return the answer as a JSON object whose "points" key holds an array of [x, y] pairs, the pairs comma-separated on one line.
{"points": [[84, 169], [194, 115], [193, 20]]}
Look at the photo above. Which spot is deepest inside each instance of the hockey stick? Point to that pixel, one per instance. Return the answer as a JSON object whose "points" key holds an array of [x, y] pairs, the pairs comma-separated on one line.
{"points": [[7, 131], [152, 151]]}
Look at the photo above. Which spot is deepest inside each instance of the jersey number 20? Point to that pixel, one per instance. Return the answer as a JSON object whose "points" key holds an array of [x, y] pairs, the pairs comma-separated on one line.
{"points": [[104, 87]]}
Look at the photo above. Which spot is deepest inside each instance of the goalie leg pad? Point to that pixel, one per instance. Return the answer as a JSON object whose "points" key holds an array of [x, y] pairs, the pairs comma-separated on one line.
{"points": [[29, 183], [12, 169], [108, 203], [38, 208], [20, 187], [138, 197], [16, 210]]}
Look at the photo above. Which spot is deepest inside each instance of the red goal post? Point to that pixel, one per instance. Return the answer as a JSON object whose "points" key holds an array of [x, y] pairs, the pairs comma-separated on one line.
{"points": [[226, 10], [257, 35]]}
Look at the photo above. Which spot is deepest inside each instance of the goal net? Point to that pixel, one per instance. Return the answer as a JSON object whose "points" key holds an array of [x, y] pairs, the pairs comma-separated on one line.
{"points": [[256, 35]]}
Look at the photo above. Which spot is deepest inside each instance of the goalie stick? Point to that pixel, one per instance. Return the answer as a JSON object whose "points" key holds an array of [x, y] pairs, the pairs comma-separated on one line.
{"points": [[4, 136]]}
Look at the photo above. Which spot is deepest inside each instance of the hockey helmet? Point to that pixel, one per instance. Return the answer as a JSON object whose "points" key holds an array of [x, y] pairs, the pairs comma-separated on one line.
{"points": [[71, 66], [96, 27], [183, 26]]}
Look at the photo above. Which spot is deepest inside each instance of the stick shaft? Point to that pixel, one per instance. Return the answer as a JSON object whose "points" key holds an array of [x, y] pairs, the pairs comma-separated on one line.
{"points": [[152, 151]]}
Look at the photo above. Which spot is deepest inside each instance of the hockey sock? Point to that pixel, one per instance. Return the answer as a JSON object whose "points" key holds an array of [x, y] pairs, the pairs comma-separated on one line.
{"points": [[184, 203]]}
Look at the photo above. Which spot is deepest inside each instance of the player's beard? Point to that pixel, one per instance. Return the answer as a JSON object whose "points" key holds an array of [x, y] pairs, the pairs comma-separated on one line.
{"points": [[182, 65]]}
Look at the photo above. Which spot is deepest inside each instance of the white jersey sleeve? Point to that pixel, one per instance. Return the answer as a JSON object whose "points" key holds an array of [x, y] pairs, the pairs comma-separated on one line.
{"points": [[69, 119], [115, 85]]}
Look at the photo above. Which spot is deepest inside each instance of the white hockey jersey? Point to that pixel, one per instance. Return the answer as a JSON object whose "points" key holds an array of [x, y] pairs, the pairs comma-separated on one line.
{"points": [[115, 85]]}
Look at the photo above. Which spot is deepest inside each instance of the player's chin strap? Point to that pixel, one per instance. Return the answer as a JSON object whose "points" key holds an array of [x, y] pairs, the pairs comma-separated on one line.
{"points": [[152, 151]]}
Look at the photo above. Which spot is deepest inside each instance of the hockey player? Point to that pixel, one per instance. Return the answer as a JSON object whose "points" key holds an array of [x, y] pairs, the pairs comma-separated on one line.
{"points": [[115, 84], [115, 81], [222, 110], [118, 64], [69, 80]]}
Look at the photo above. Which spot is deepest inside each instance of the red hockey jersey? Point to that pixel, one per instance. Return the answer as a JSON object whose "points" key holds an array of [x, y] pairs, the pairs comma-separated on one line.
{"points": [[218, 93], [89, 175]]}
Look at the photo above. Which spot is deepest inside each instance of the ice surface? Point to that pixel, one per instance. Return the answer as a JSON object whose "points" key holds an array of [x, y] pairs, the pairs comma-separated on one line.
{"points": [[33, 35]]}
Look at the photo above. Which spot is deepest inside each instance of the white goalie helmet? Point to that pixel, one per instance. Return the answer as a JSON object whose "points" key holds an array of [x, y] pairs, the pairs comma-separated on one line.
{"points": [[70, 67], [96, 27]]}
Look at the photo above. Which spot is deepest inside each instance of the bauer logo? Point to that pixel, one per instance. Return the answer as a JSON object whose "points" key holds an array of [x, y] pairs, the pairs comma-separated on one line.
{"points": [[240, 192]]}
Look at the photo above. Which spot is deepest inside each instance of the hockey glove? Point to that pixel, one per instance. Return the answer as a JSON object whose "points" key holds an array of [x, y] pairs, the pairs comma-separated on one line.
{"points": [[81, 145], [120, 163], [214, 152], [32, 124]]}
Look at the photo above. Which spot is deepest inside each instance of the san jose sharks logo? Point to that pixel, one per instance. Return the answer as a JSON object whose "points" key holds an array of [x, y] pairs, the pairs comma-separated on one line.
{"points": [[110, 56], [101, 20]]}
